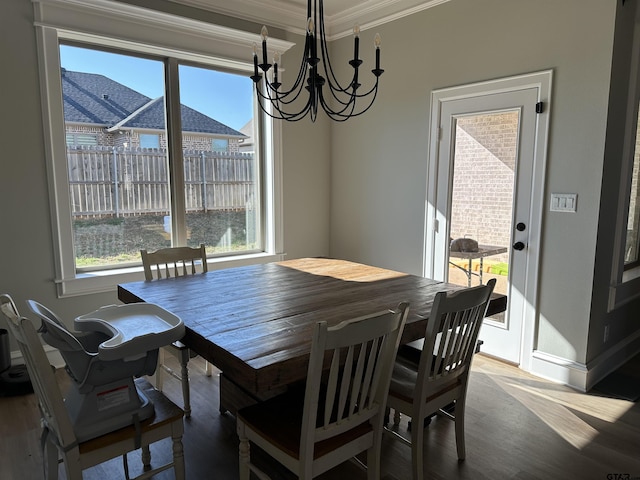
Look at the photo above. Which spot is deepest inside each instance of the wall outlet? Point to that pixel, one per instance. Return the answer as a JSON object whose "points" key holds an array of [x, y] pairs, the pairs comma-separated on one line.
{"points": [[606, 333]]}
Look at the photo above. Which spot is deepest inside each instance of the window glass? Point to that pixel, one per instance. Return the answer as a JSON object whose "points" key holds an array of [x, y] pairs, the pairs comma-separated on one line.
{"points": [[220, 145], [119, 184], [80, 139], [221, 187], [149, 141]]}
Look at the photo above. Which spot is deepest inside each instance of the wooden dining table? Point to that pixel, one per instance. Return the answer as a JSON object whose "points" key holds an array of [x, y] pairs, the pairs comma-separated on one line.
{"points": [[254, 322]]}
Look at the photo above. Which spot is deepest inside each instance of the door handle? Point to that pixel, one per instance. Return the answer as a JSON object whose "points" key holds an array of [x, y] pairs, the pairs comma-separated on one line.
{"points": [[519, 246]]}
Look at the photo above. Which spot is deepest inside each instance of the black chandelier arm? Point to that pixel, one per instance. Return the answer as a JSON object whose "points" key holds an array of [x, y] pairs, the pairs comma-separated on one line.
{"points": [[348, 97], [316, 76], [285, 97], [269, 97], [281, 114], [339, 95], [340, 115], [334, 83]]}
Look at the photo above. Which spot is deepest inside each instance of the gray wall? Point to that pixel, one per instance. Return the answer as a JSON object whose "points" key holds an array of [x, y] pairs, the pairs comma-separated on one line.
{"points": [[356, 190], [26, 250], [380, 160]]}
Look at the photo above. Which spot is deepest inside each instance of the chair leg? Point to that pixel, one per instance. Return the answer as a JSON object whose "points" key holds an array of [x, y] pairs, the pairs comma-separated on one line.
{"points": [[459, 419], [178, 456], [396, 417], [184, 373], [243, 453], [50, 457], [72, 464], [145, 456], [417, 442], [373, 455], [159, 369]]}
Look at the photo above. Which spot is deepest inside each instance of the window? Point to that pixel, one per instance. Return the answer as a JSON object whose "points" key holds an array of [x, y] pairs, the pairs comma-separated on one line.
{"points": [[219, 145], [81, 139], [625, 271], [631, 253], [114, 189], [149, 141]]}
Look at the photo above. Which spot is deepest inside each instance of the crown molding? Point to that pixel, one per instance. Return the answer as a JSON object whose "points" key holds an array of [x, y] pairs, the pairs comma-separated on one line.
{"points": [[292, 18]]}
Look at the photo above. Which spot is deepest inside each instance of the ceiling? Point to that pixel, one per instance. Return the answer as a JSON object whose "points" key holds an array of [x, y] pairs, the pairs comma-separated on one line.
{"points": [[340, 15]]}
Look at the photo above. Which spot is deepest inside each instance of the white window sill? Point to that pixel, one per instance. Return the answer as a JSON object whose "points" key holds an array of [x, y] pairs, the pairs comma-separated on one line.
{"points": [[107, 280]]}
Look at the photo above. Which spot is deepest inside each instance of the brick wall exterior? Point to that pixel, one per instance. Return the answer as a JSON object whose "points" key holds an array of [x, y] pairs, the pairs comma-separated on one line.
{"points": [[132, 138], [484, 178]]}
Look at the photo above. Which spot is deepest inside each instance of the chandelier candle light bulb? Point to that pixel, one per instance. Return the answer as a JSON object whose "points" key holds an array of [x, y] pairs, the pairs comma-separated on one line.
{"points": [[377, 41], [315, 78], [356, 41], [264, 34], [255, 60], [276, 60]]}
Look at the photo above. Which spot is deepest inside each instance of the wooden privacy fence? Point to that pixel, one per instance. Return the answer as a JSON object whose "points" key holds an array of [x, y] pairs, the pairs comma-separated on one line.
{"points": [[115, 181]]}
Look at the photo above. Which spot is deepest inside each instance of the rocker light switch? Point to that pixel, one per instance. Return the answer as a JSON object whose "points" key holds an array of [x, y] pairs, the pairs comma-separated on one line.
{"points": [[564, 202]]}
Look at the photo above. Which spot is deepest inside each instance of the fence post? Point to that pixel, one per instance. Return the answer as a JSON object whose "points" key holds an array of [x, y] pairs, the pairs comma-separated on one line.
{"points": [[203, 175], [114, 178]]}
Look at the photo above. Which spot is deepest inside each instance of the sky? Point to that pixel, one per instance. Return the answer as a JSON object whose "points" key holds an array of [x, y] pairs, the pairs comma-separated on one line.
{"points": [[224, 97]]}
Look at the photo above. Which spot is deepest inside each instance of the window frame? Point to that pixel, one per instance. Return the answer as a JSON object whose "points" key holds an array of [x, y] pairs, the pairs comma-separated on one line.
{"points": [[156, 33], [625, 278]]}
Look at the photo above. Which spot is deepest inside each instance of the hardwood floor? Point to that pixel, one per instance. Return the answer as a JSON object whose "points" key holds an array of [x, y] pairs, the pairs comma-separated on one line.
{"points": [[517, 427]]}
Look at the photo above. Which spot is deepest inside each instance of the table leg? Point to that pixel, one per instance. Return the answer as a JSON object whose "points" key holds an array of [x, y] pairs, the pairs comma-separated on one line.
{"points": [[480, 273]]}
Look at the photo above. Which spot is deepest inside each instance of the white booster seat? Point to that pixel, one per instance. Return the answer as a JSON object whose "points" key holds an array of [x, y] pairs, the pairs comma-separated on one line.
{"points": [[108, 348]]}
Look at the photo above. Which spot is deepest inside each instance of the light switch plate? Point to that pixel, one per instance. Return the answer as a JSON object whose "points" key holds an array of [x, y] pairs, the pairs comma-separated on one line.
{"points": [[564, 202]]}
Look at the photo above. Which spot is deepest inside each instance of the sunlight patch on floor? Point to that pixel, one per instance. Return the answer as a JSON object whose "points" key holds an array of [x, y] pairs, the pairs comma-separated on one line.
{"points": [[556, 409], [556, 416]]}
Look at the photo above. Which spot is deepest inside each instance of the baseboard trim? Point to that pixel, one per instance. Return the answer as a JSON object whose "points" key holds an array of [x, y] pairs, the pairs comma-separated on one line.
{"points": [[560, 370], [613, 358], [582, 376]]}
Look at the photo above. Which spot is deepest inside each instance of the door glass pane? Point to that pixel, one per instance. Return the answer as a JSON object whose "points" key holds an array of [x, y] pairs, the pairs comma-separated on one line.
{"points": [[482, 199], [119, 191], [220, 164]]}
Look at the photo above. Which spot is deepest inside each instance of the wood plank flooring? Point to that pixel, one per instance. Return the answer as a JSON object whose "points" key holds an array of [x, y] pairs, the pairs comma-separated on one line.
{"points": [[518, 427]]}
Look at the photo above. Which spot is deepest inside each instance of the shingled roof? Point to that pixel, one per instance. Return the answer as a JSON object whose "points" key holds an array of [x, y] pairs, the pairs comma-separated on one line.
{"points": [[95, 99]]}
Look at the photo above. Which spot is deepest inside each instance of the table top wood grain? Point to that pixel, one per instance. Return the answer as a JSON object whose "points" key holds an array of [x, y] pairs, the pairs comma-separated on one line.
{"points": [[255, 322]]}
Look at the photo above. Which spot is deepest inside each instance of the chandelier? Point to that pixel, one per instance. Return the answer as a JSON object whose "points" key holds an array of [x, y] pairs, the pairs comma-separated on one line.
{"points": [[315, 76]]}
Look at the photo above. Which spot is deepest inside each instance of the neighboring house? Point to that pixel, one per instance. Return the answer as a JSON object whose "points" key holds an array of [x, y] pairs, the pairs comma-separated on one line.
{"points": [[247, 145], [99, 111]]}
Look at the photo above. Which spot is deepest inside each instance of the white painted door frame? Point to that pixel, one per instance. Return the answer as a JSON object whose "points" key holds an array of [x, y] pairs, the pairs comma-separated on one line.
{"points": [[436, 243]]}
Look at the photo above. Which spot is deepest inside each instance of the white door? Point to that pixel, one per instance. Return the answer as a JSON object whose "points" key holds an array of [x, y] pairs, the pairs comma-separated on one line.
{"points": [[486, 177]]}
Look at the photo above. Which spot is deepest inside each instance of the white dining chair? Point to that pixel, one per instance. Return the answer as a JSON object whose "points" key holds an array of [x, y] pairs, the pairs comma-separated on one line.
{"points": [[440, 378], [167, 263], [337, 414], [59, 442]]}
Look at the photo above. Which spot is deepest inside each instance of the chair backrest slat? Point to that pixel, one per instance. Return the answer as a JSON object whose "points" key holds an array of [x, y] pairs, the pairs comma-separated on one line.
{"points": [[173, 262], [451, 336], [362, 352]]}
